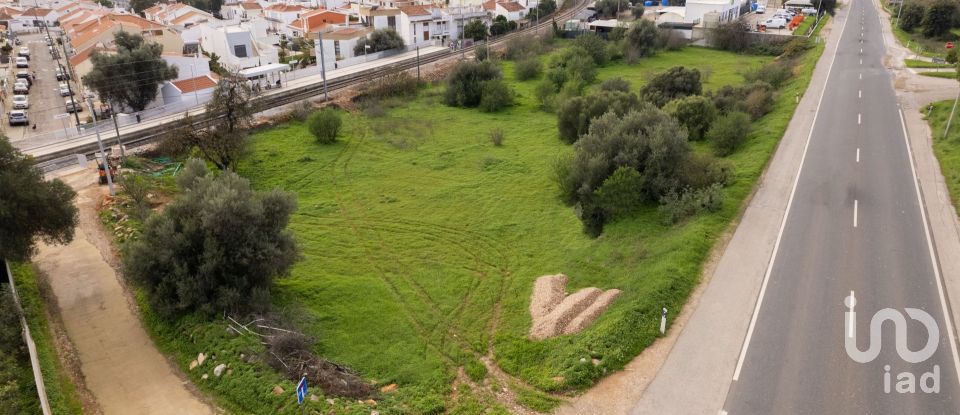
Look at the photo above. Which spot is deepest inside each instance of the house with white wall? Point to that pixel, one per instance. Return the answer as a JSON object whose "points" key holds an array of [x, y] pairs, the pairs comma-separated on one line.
{"points": [[414, 25], [280, 15], [314, 21], [338, 43], [237, 46], [377, 17], [190, 91], [40, 16], [727, 9]]}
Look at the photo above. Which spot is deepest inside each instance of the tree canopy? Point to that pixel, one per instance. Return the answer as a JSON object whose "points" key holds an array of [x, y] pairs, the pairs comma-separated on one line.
{"points": [[939, 18], [31, 207], [216, 247], [475, 29], [379, 40], [131, 76], [676, 82], [225, 139]]}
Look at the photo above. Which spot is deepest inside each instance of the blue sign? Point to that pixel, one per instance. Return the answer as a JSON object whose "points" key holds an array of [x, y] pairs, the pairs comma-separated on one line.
{"points": [[302, 390]]}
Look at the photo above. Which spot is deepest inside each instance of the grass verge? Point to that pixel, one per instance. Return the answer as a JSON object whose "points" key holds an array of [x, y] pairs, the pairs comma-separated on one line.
{"points": [[945, 75], [916, 63], [946, 148], [61, 392]]}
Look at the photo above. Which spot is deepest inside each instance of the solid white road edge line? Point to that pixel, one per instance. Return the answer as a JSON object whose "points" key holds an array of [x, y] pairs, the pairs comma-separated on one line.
{"points": [[786, 214], [933, 259]]}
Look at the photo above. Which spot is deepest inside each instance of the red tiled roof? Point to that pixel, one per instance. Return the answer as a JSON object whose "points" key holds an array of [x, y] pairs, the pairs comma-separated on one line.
{"points": [[195, 84], [286, 8], [415, 11], [251, 5], [38, 12], [512, 6]]}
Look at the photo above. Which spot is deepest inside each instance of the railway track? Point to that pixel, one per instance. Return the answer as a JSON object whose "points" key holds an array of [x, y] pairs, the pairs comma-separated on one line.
{"points": [[54, 156]]}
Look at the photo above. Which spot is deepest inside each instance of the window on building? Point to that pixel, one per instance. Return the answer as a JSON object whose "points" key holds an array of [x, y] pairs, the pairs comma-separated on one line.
{"points": [[392, 21], [426, 35], [240, 51], [336, 48]]}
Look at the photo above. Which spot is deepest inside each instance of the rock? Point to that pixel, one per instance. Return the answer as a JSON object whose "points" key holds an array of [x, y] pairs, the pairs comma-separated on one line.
{"points": [[193, 364], [595, 361], [243, 357], [201, 358], [330, 401], [229, 371], [314, 398], [389, 388], [277, 390], [374, 412], [205, 376], [583, 360], [370, 402], [217, 371]]}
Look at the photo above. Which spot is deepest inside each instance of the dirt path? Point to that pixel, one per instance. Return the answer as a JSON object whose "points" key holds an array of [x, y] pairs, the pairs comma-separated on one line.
{"points": [[120, 365]]}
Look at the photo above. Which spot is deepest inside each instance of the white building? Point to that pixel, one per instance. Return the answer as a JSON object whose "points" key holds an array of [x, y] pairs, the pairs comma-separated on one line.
{"points": [[338, 43], [191, 91], [421, 25], [237, 46], [727, 9]]}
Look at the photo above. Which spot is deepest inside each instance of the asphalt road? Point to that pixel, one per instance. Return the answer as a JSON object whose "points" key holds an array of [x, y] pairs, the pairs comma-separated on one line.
{"points": [[855, 223]]}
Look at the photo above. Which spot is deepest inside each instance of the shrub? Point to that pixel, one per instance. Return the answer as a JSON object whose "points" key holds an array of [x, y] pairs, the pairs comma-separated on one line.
{"points": [[637, 11], [480, 53], [732, 36], [646, 140], [759, 102], [728, 132], [395, 84], [574, 115], [465, 83], [911, 16], [527, 68], [694, 112], [520, 47], [475, 29], [379, 40], [137, 187], [324, 125], [572, 63], [615, 84], [939, 18], [594, 45], [496, 95], [951, 57], [678, 206], [621, 192], [643, 39], [301, 110], [676, 82], [544, 91], [703, 169], [216, 247], [729, 99], [773, 73], [673, 39], [496, 137], [796, 47], [767, 47]]}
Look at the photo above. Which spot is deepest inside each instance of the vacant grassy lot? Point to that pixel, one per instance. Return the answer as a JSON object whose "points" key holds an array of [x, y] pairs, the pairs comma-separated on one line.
{"points": [[947, 149], [421, 241]]}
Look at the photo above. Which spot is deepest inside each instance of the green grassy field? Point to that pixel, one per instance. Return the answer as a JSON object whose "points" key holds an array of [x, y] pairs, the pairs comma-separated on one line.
{"points": [[422, 240], [947, 149], [61, 392]]}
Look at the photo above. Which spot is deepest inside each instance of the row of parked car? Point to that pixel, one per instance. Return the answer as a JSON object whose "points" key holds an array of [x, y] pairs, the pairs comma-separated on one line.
{"points": [[24, 81], [782, 17]]}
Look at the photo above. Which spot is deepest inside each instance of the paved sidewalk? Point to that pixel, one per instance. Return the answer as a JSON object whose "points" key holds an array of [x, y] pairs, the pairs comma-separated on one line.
{"points": [[120, 365]]}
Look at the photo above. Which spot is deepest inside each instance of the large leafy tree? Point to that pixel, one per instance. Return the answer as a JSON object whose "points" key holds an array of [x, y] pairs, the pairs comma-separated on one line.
{"points": [[643, 39], [140, 5], [217, 247], [911, 16], [31, 207], [379, 40], [131, 76], [225, 139], [939, 18], [676, 82], [475, 29]]}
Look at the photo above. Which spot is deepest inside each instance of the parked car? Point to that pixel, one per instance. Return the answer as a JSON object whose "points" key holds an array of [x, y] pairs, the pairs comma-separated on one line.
{"points": [[65, 90], [775, 23], [21, 102], [73, 105], [809, 11], [62, 75], [21, 88], [24, 52], [25, 76], [761, 9], [23, 62], [18, 117]]}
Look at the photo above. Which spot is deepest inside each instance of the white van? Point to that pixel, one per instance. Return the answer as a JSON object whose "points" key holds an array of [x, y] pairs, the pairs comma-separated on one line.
{"points": [[775, 23]]}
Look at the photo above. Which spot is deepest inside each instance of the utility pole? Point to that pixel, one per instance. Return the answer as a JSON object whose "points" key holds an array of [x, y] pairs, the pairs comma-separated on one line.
{"points": [[323, 63], [103, 154], [950, 120], [898, 12], [463, 25], [418, 63]]}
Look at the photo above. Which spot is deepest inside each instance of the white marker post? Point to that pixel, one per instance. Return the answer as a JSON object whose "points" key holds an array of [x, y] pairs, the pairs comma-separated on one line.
{"points": [[663, 321]]}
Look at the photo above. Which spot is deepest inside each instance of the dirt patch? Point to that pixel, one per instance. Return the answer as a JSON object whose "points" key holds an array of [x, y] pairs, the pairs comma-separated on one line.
{"points": [[554, 314]]}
